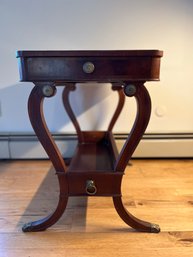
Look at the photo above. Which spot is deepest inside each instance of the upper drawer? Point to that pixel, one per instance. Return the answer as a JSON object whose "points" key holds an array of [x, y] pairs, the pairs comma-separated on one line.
{"points": [[81, 66]]}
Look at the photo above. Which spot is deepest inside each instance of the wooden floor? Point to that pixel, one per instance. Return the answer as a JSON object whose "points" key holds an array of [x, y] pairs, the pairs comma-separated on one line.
{"points": [[160, 191]]}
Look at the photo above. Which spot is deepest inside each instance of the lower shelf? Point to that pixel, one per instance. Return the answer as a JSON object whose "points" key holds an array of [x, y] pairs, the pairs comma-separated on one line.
{"points": [[93, 161], [91, 157], [94, 155]]}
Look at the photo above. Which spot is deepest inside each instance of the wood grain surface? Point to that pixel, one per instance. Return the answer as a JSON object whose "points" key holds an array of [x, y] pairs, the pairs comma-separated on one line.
{"points": [[159, 191]]}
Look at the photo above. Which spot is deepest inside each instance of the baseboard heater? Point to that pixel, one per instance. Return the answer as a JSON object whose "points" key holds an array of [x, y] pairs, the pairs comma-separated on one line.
{"points": [[27, 146]]}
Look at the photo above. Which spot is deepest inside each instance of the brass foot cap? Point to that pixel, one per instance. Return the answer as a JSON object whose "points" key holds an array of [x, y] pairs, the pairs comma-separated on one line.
{"points": [[27, 227], [155, 228]]}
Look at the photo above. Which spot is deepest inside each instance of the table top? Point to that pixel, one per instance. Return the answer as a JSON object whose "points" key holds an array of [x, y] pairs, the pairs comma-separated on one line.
{"points": [[84, 66], [87, 53]]}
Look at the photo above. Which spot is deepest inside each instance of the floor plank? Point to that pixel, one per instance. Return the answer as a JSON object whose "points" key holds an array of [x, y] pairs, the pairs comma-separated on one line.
{"points": [[160, 191]]}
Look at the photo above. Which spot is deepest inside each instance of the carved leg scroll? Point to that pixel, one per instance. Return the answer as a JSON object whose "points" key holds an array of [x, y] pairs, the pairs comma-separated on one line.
{"points": [[35, 109], [143, 114]]}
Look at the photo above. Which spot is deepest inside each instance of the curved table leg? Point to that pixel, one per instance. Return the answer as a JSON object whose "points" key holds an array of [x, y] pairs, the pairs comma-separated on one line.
{"points": [[131, 220], [66, 102], [142, 118], [117, 87], [48, 221], [143, 100], [35, 108]]}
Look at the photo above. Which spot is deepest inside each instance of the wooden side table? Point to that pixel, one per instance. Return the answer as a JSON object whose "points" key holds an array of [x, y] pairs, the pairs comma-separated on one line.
{"points": [[96, 168]]}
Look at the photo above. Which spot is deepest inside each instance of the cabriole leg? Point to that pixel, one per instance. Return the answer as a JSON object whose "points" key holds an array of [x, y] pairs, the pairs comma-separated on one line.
{"points": [[131, 220], [35, 109], [48, 221], [142, 118]]}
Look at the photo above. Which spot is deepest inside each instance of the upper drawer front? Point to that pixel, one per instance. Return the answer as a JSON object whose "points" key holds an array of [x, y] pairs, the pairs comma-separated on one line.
{"points": [[81, 69]]}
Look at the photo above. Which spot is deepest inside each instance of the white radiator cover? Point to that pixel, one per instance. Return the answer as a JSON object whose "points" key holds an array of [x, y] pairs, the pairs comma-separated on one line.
{"points": [[22, 146]]}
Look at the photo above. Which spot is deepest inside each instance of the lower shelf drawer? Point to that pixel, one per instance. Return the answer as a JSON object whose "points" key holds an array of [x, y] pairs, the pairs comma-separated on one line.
{"points": [[105, 183]]}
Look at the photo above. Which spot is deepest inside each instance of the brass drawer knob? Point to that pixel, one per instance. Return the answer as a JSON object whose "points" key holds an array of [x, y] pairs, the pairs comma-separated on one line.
{"points": [[88, 67], [90, 187]]}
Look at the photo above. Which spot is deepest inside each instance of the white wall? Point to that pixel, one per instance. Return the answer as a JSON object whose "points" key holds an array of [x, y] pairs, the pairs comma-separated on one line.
{"points": [[99, 24]]}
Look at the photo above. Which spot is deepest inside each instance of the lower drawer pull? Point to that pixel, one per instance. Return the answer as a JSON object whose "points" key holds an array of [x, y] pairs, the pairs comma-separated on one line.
{"points": [[90, 187]]}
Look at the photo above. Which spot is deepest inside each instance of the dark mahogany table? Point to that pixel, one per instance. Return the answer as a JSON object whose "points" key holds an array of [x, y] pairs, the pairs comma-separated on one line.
{"points": [[96, 168]]}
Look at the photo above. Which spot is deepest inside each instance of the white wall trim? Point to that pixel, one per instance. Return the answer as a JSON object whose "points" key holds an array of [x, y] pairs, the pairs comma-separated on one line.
{"points": [[27, 146]]}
